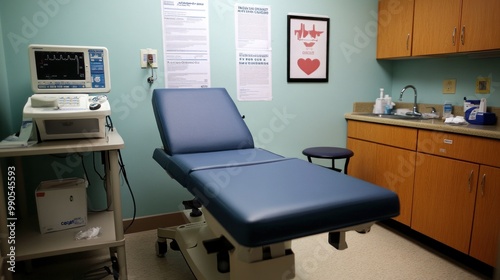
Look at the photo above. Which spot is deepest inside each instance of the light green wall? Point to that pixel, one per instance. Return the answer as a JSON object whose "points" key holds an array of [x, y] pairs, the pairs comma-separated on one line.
{"points": [[428, 74], [5, 112], [310, 113]]}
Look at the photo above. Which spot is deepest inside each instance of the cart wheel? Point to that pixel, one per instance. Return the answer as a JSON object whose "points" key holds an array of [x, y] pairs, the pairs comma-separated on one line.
{"points": [[161, 249], [363, 231]]}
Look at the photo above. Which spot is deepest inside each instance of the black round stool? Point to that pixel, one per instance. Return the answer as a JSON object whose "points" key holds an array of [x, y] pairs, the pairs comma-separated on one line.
{"points": [[332, 153]]}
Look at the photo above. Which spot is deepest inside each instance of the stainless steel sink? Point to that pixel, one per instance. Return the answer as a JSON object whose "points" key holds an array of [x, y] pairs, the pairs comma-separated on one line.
{"points": [[392, 116]]}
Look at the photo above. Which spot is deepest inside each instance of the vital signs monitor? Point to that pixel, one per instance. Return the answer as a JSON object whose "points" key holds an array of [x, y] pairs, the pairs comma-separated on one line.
{"points": [[70, 84], [69, 69]]}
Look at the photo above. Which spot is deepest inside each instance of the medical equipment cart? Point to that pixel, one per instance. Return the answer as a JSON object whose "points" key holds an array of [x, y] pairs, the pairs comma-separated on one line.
{"points": [[29, 242]]}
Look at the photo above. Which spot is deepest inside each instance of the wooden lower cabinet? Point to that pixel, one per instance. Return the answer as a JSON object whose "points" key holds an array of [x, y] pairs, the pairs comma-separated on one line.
{"points": [[388, 167], [486, 228], [448, 184], [396, 172], [444, 199], [362, 164]]}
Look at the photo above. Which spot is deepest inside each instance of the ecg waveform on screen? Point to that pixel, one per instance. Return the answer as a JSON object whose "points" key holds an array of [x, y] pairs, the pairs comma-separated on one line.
{"points": [[54, 65], [61, 57]]}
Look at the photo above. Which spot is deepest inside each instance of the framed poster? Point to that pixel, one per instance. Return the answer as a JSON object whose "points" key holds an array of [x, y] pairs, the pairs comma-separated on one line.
{"points": [[483, 85], [308, 44]]}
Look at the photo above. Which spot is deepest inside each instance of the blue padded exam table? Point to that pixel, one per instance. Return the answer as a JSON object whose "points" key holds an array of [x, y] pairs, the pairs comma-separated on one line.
{"points": [[253, 202]]}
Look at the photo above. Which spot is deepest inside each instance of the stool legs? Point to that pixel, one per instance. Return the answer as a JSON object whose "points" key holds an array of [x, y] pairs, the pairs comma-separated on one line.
{"points": [[333, 166], [346, 164], [338, 169]]}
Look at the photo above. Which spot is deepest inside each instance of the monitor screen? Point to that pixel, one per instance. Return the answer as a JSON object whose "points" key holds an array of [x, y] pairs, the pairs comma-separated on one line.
{"points": [[60, 65], [69, 69]]}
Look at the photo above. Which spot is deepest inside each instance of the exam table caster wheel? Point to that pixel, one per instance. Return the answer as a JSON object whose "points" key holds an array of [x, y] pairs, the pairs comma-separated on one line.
{"points": [[161, 248], [363, 231]]}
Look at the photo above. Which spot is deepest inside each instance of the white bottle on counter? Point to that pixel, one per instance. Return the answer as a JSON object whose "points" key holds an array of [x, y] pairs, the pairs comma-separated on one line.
{"points": [[482, 105], [379, 107], [387, 104]]}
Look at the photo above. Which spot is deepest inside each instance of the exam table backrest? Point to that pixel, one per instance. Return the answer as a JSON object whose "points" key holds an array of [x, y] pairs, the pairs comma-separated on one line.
{"points": [[196, 120]]}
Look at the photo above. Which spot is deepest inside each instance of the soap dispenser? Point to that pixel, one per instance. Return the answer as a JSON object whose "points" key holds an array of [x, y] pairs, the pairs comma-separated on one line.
{"points": [[379, 107]]}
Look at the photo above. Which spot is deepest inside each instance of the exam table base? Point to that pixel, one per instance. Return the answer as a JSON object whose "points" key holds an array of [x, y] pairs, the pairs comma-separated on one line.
{"points": [[275, 261]]}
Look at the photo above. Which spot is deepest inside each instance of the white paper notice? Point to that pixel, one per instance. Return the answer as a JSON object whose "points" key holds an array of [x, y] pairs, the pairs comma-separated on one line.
{"points": [[253, 45], [186, 43], [254, 75], [253, 27]]}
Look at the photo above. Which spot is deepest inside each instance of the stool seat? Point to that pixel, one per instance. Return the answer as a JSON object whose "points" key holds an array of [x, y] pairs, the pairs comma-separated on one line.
{"points": [[332, 153]]}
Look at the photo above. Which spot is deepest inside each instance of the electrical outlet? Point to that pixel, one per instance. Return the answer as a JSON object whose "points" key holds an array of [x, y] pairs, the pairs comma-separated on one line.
{"points": [[149, 56], [449, 86]]}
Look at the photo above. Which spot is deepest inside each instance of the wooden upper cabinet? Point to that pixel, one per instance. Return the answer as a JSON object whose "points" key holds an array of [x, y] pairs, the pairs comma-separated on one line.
{"points": [[451, 26], [436, 27], [480, 26], [395, 28]]}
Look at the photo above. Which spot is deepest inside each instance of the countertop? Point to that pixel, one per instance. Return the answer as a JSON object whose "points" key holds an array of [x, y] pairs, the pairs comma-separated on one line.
{"points": [[487, 131]]}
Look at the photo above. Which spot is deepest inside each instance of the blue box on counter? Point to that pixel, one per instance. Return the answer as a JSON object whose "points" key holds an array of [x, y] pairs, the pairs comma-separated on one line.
{"points": [[473, 116]]}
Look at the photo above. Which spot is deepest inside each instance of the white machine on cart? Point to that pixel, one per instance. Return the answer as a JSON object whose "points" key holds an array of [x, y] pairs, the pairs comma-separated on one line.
{"points": [[69, 83]]}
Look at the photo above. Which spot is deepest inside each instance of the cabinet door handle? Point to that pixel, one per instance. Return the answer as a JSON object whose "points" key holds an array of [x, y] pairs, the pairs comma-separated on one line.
{"points": [[407, 41], [462, 35], [453, 36], [470, 180], [483, 182]]}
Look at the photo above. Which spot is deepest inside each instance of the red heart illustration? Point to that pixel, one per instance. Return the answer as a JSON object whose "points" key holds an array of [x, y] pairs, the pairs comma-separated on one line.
{"points": [[308, 65]]}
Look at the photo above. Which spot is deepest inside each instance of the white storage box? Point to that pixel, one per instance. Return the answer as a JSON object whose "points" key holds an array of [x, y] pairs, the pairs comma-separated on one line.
{"points": [[61, 204]]}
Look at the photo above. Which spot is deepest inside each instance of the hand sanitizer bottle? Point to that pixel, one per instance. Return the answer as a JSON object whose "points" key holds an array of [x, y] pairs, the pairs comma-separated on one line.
{"points": [[388, 104], [447, 109]]}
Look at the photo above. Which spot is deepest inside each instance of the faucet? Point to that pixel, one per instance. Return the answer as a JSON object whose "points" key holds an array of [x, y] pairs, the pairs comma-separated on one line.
{"points": [[415, 110]]}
